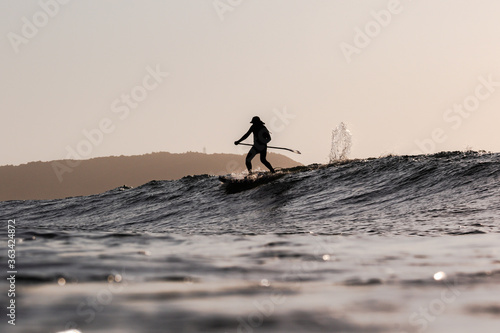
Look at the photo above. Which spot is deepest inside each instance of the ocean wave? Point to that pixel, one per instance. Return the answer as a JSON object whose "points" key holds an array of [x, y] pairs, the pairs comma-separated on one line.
{"points": [[452, 193]]}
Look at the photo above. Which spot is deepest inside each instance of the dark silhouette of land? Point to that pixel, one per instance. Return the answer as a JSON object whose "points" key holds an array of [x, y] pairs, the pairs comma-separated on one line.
{"points": [[67, 178]]}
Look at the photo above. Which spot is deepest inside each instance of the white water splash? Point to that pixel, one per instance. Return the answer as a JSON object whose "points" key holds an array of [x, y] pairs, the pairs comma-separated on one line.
{"points": [[341, 143]]}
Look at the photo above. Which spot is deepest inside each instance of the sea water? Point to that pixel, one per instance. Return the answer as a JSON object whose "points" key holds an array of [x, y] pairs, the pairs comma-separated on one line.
{"points": [[394, 244], [341, 143]]}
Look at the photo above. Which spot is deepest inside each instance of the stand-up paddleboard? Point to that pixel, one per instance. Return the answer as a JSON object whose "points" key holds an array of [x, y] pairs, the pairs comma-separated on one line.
{"points": [[235, 183]]}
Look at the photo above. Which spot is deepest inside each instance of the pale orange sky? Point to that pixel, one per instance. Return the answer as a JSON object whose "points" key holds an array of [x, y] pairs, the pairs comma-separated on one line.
{"points": [[406, 76]]}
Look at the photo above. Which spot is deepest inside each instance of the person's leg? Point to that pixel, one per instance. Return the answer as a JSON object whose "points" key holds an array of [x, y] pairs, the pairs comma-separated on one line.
{"points": [[248, 161], [263, 155]]}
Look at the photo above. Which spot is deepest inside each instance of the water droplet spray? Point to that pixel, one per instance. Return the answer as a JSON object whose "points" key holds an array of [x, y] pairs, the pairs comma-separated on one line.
{"points": [[341, 143]]}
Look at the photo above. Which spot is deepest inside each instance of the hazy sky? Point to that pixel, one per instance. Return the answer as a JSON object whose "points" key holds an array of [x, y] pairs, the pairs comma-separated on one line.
{"points": [[180, 75]]}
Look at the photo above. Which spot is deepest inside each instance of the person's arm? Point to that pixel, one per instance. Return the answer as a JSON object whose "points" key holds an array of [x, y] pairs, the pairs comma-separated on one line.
{"points": [[244, 136]]}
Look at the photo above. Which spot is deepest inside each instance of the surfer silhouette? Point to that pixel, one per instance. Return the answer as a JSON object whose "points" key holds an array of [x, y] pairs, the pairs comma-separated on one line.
{"points": [[261, 138]]}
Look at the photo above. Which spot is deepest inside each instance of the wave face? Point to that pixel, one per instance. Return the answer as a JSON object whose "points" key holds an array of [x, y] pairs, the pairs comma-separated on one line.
{"points": [[322, 246], [447, 193]]}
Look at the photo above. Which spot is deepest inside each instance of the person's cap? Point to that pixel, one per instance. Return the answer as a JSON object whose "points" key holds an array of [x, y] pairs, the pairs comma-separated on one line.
{"points": [[256, 120]]}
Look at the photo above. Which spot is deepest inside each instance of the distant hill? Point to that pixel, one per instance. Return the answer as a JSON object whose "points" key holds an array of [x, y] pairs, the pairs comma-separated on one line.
{"points": [[66, 178]]}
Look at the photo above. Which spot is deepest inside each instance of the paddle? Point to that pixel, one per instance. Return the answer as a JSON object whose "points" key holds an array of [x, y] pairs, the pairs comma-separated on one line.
{"points": [[292, 150]]}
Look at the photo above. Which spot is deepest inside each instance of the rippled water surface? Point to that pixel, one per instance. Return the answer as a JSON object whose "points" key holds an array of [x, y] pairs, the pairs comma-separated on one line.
{"points": [[396, 244]]}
